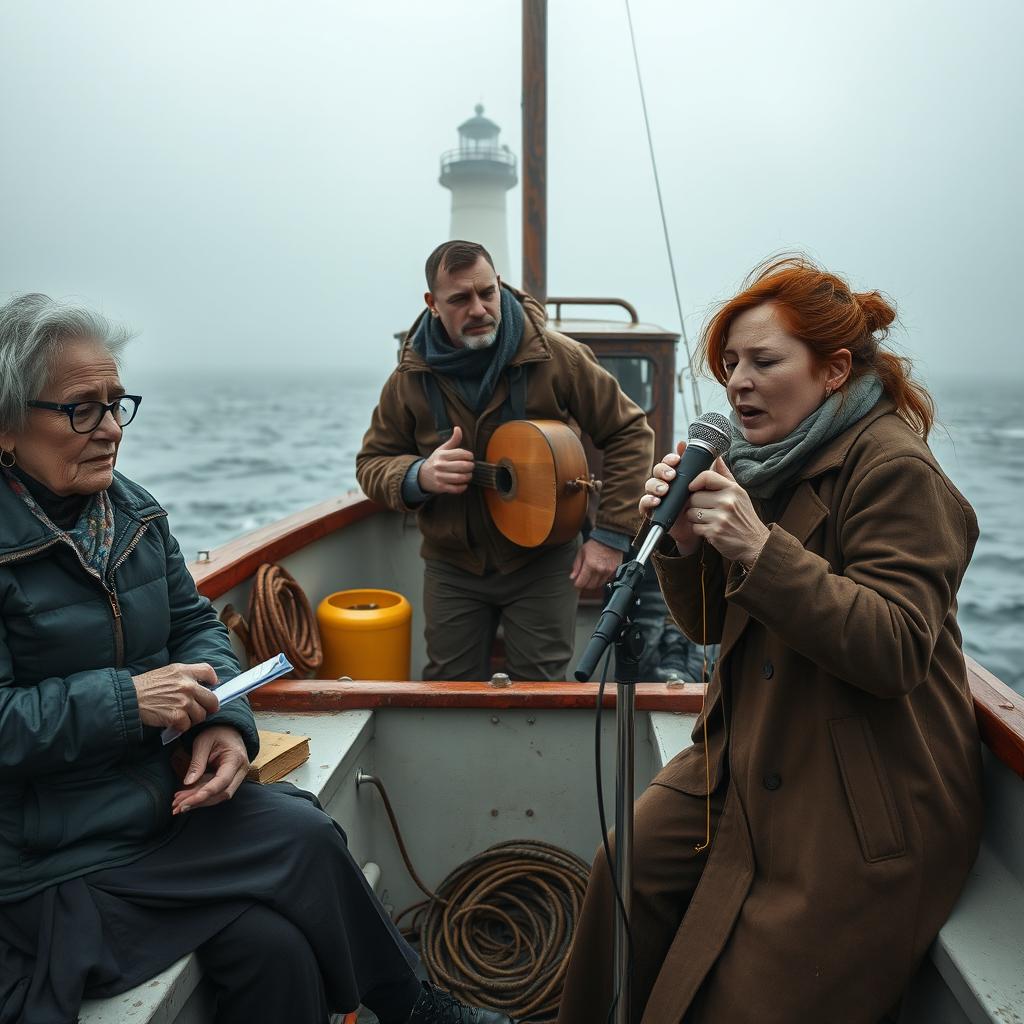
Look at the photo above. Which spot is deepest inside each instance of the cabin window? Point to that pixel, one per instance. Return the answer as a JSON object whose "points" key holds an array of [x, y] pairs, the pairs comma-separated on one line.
{"points": [[635, 376]]}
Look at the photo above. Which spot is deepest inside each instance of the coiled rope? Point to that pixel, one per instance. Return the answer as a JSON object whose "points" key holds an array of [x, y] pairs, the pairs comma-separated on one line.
{"points": [[280, 621], [500, 933], [498, 929]]}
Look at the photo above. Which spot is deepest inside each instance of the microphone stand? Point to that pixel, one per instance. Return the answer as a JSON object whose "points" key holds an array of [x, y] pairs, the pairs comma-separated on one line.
{"points": [[615, 626]]}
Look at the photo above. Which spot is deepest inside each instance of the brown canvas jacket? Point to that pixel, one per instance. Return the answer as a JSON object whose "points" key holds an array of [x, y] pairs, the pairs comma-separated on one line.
{"points": [[565, 383], [841, 721]]}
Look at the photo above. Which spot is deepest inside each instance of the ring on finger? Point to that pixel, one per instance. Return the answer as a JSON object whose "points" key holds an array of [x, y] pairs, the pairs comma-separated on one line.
{"points": [[700, 513]]}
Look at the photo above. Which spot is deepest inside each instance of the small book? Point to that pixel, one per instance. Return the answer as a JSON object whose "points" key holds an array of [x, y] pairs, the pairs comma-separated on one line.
{"points": [[280, 753], [258, 675]]}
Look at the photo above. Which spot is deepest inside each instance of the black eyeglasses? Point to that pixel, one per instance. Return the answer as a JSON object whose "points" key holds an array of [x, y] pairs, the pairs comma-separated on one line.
{"points": [[85, 417]]}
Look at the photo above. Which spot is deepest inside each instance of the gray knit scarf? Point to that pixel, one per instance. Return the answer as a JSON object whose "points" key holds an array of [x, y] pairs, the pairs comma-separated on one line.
{"points": [[761, 469], [476, 371]]}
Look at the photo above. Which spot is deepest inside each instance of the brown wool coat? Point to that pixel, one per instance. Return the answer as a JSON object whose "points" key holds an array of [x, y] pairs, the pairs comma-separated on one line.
{"points": [[565, 383], [853, 807]]}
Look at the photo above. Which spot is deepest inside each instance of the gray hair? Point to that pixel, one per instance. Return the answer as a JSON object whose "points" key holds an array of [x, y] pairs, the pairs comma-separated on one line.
{"points": [[33, 329]]}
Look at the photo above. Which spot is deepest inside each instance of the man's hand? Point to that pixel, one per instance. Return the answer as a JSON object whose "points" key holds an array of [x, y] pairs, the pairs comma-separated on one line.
{"points": [[448, 469], [595, 564], [218, 766]]}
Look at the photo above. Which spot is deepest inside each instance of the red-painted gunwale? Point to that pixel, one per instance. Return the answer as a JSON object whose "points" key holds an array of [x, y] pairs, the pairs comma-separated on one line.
{"points": [[236, 561], [1000, 714], [336, 695]]}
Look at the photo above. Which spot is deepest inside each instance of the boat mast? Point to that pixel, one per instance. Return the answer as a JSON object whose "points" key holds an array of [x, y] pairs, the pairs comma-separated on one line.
{"points": [[535, 138]]}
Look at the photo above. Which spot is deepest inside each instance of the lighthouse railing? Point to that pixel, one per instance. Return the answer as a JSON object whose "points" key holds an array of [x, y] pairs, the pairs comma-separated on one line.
{"points": [[491, 154]]}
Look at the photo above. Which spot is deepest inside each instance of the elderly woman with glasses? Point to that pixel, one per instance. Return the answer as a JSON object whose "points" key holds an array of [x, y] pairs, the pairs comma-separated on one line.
{"points": [[111, 866]]}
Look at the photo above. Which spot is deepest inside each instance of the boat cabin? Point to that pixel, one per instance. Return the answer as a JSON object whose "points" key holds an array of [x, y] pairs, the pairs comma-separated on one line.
{"points": [[642, 357]]}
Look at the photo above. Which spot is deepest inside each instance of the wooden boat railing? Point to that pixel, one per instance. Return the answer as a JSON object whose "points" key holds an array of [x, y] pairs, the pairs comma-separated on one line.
{"points": [[998, 708], [1000, 714]]}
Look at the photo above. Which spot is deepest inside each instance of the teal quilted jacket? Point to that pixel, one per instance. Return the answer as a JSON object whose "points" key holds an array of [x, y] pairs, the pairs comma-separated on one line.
{"points": [[83, 784]]}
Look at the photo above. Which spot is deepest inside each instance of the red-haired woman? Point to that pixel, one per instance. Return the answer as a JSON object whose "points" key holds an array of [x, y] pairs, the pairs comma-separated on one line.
{"points": [[795, 863]]}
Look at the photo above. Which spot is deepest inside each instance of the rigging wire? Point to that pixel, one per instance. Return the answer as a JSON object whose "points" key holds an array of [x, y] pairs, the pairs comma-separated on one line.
{"points": [[664, 222]]}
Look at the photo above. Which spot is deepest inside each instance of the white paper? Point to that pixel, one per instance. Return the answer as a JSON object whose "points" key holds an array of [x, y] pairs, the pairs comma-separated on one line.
{"points": [[266, 672]]}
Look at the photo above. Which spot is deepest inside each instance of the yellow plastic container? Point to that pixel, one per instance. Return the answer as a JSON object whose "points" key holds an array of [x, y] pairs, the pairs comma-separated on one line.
{"points": [[366, 634]]}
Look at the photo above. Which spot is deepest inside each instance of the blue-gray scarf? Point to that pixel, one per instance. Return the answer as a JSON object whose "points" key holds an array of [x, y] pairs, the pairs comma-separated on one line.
{"points": [[761, 469], [476, 372]]}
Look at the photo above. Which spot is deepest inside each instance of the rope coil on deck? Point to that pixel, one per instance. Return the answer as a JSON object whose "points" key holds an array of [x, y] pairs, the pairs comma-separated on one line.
{"points": [[280, 621], [498, 933]]}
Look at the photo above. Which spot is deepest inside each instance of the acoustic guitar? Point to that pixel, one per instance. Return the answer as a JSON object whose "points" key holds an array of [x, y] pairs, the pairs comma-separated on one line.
{"points": [[537, 482]]}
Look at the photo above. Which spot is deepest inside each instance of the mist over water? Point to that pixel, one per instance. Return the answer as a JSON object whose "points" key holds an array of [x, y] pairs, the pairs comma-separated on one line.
{"points": [[979, 444], [228, 453]]}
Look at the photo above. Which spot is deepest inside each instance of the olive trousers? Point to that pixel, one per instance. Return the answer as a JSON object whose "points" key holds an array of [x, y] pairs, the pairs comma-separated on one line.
{"points": [[535, 606]]}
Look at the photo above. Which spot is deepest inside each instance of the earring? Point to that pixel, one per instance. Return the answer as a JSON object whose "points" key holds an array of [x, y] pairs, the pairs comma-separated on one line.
{"points": [[829, 388], [4, 455]]}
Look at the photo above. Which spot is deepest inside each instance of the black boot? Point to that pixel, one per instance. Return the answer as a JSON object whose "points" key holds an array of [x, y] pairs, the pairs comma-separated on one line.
{"points": [[435, 1006]]}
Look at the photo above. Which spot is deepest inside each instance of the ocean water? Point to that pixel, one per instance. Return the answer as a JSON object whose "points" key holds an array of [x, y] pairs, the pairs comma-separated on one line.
{"points": [[980, 445], [228, 454]]}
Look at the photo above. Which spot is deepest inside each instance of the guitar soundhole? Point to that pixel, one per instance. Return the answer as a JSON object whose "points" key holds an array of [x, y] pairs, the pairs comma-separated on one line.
{"points": [[503, 480]]}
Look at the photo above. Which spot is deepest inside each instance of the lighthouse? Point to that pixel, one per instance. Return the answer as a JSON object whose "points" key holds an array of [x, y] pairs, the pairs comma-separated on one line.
{"points": [[479, 173]]}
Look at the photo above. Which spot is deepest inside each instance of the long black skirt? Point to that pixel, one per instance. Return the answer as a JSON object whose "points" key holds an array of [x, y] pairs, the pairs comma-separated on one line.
{"points": [[271, 847]]}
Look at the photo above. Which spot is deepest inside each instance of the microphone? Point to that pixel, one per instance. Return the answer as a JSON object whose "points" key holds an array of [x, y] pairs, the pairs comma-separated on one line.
{"points": [[706, 439]]}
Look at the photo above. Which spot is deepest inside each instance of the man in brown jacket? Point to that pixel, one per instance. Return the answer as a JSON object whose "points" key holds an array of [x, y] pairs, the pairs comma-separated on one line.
{"points": [[479, 355]]}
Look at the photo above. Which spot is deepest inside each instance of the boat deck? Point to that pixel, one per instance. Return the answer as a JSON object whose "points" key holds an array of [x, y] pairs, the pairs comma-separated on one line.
{"points": [[453, 799]]}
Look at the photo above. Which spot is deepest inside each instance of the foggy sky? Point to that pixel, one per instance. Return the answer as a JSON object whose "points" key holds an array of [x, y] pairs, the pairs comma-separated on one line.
{"points": [[255, 183]]}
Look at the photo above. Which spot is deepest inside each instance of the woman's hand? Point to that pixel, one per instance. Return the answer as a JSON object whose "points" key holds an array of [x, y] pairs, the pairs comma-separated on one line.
{"points": [[176, 695], [218, 766], [657, 487], [720, 511]]}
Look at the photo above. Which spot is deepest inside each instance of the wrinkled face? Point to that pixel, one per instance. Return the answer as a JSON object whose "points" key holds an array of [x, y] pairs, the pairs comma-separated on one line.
{"points": [[48, 449], [469, 304], [773, 381]]}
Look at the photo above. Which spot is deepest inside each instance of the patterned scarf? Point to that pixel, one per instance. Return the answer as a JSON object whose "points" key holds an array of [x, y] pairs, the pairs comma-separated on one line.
{"points": [[761, 469], [92, 536]]}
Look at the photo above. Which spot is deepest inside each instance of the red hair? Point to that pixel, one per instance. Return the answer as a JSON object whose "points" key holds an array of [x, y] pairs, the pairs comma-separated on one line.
{"points": [[822, 311]]}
